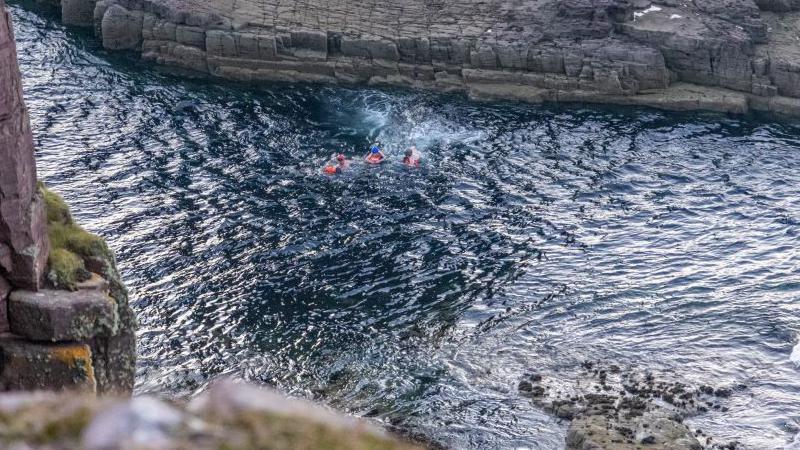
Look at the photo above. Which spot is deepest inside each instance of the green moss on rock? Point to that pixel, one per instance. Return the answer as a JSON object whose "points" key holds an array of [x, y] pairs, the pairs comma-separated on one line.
{"points": [[70, 244], [57, 210], [66, 268], [77, 240]]}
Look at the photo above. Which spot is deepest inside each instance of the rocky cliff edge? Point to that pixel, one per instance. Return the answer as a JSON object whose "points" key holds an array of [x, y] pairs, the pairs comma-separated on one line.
{"points": [[722, 55], [65, 322]]}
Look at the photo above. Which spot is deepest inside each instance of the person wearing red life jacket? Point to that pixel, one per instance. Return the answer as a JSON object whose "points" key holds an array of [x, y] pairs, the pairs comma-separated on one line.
{"points": [[411, 159], [338, 167], [375, 155]]}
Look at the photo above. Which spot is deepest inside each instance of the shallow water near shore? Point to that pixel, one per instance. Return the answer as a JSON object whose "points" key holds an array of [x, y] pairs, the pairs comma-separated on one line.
{"points": [[533, 237]]}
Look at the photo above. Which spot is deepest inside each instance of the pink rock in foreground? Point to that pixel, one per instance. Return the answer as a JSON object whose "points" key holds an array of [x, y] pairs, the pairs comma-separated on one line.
{"points": [[23, 233]]}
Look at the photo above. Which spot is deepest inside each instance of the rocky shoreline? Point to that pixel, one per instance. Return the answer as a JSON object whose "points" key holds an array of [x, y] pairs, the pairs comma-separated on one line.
{"points": [[729, 56]]}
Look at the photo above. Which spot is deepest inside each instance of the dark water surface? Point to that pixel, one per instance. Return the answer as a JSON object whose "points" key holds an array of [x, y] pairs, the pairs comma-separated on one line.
{"points": [[533, 237]]}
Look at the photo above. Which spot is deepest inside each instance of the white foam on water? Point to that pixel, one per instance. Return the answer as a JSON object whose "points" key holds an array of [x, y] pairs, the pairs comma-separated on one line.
{"points": [[638, 14], [795, 356], [411, 124], [794, 445]]}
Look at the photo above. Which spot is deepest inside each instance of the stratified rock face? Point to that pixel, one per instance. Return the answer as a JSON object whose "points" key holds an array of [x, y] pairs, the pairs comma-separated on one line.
{"points": [[80, 339], [31, 366], [5, 289], [50, 315], [723, 55], [23, 236]]}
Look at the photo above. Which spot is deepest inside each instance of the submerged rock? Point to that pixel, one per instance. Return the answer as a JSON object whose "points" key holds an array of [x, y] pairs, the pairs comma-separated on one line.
{"points": [[611, 408]]}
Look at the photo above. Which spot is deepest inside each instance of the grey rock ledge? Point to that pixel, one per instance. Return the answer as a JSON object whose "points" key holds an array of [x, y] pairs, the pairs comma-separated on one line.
{"points": [[722, 55]]}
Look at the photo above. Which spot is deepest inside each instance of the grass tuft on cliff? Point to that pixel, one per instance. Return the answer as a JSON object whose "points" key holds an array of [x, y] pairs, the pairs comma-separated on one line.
{"points": [[66, 269], [70, 245]]}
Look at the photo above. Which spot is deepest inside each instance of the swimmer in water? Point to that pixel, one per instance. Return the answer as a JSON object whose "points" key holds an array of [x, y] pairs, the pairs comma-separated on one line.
{"points": [[375, 155], [411, 159], [338, 167]]}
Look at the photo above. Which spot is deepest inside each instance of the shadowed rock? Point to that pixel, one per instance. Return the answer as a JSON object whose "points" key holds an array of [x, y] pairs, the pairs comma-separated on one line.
{"points": [[50, 315], [29, 366]]}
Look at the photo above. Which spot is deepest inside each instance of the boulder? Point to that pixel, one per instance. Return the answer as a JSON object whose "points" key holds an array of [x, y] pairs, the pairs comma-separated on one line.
{"points": [[164, 30], [192, 36], [121, 29], [784, 70], [315, 41], [187, 57], [50, 315], [5, 289], [220, 43], [100, 8], [778, 5], [370, 48], [78, 12], [603, 432], [32, 366], [142, 422]]}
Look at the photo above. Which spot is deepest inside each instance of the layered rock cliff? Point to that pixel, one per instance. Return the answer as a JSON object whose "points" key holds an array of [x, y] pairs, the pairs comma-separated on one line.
{"points": [[23, 234], [65, 322], [725, 55]]}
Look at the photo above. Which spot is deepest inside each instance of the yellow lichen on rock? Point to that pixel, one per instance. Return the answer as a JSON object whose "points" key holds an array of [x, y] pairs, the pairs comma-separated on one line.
{"points": [[77, 357], [77, 354]]}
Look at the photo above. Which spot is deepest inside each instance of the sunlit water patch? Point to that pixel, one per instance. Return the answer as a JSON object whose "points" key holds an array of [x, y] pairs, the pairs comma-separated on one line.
{"points": [[531, 237]]}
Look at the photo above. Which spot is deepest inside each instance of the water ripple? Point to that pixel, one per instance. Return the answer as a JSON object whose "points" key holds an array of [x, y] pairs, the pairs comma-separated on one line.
{"points": [[531, 237]]}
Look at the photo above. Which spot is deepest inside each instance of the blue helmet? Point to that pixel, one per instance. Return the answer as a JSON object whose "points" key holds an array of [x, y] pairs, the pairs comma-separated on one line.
{"points": [[375, 149]]}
